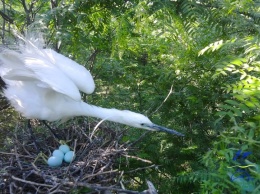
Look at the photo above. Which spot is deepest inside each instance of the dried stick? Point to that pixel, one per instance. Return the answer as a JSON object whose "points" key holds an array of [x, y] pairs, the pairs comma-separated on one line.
{"points": [[30, 182]]}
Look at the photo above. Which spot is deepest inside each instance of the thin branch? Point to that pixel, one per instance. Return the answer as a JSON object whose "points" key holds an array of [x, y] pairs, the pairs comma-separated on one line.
{"points": [[30, 182], [170, 92], [137, 158], [15, 154], [100, 188], [6, 17], [143, 168], [99, 173]]}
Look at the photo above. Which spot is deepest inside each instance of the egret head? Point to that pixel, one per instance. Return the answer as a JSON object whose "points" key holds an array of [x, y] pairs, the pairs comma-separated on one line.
{"points": [[140, 121]]}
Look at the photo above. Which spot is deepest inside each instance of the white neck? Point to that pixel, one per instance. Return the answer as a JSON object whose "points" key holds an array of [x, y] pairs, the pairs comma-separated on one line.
{"points": [[84, 109]]}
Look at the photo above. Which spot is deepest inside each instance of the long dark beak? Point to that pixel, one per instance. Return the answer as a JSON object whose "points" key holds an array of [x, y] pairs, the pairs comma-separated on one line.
{"points": [[155, 127]]}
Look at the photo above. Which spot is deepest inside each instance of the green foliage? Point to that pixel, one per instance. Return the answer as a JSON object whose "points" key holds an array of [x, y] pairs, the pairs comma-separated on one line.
{"points": [[238, 113], [190, 65]]}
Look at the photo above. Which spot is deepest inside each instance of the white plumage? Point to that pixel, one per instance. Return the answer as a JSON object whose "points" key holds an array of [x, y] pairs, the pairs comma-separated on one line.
{"points": [[43, 84]]}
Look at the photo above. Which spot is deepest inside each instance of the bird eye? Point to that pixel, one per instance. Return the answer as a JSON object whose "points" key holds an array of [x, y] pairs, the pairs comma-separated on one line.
{"points": [[142, 124]]}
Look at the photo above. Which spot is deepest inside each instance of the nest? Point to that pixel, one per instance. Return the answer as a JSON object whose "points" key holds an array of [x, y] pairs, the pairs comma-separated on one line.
{"points": [[95, 168]]}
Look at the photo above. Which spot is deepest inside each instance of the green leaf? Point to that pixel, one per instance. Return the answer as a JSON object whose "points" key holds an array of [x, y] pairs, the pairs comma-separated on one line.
{"points": [[244, 108], [243, 76], [221, 113], [218, 120], [232, 102], [225, 106], [237, 112], [239, 61], [251, 134]]}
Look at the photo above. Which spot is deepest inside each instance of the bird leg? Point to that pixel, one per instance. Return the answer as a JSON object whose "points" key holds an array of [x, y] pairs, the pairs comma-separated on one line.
{"points": [[52, 131], [32, 135]]}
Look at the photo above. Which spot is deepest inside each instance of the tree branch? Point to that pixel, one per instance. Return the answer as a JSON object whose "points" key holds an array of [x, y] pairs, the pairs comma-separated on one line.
{"points": [[6, 17]]}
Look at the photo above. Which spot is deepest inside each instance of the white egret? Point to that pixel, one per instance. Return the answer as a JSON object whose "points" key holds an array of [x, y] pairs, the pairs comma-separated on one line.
{"points": [[43, 84]]}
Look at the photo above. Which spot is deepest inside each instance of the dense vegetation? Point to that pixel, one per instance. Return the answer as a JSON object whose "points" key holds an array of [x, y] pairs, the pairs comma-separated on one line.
{"points": [[191, 65]]}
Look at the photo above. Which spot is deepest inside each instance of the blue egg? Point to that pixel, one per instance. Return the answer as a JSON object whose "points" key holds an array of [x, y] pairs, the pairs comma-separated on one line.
{"points": [[54, 161], [64, 148], [58, 153], [69, 156]]}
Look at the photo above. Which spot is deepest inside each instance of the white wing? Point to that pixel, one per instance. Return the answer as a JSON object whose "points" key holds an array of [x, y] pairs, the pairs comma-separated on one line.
{"points": [[76, 72], [33, 66], [11, 59]]}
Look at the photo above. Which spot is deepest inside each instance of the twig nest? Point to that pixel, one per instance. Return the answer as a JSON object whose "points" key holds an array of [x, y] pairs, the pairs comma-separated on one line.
{"points": [[94, 162]]}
